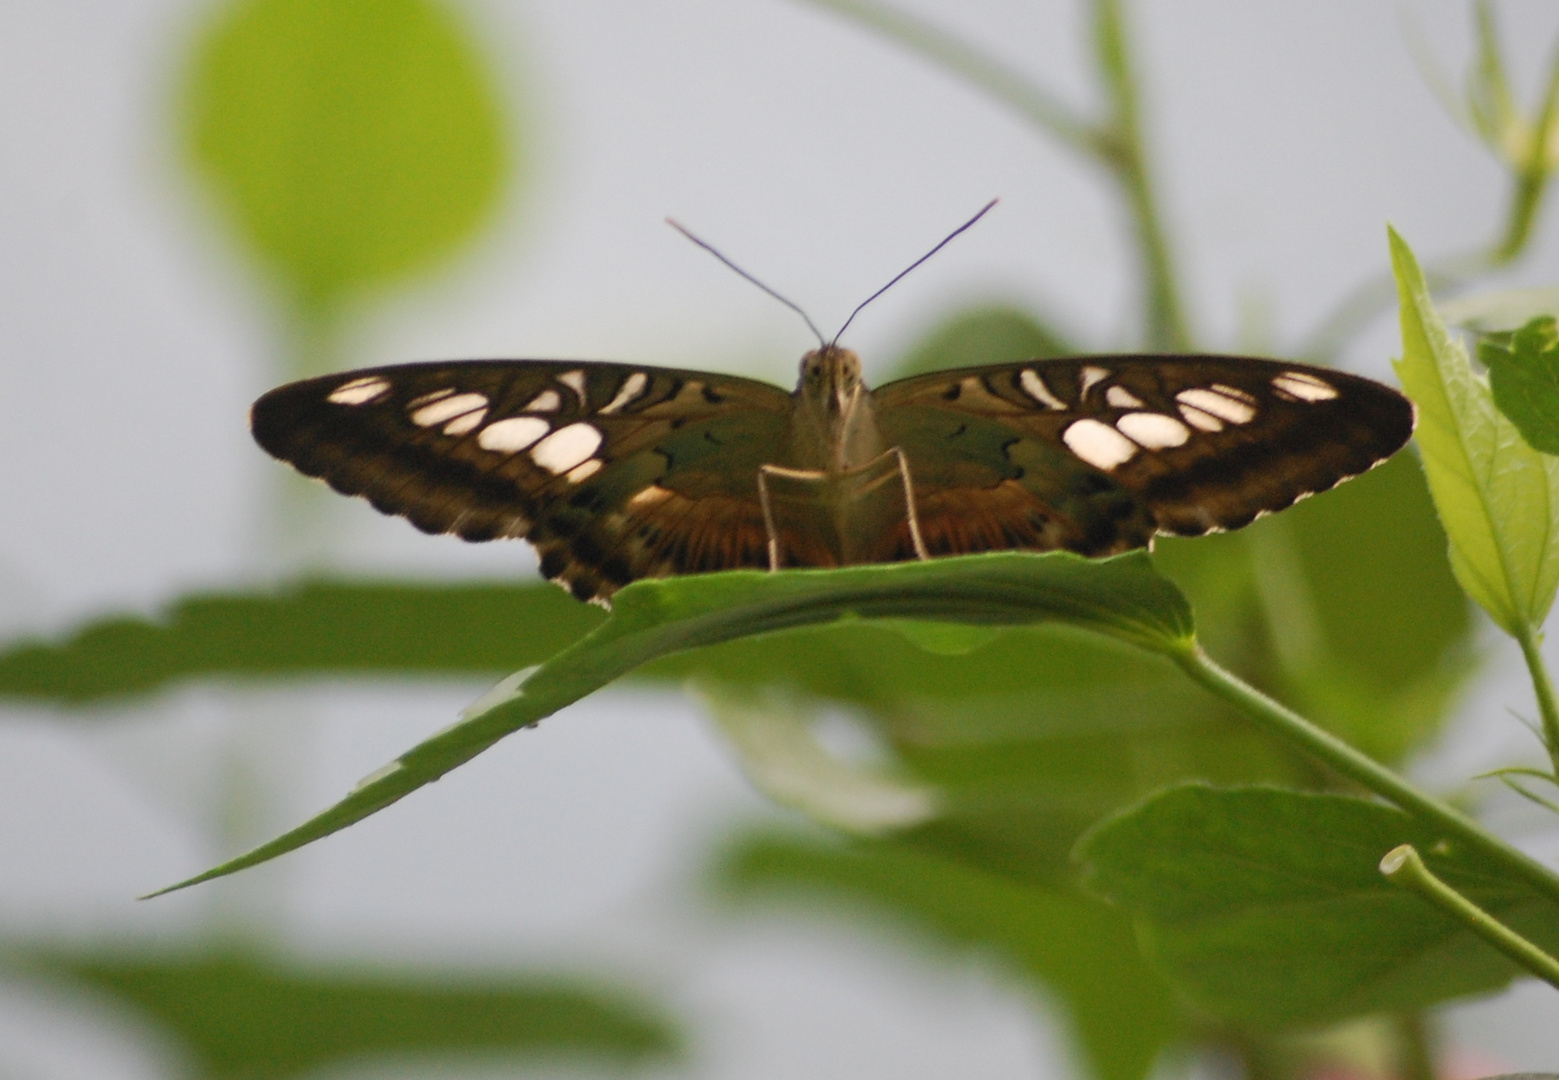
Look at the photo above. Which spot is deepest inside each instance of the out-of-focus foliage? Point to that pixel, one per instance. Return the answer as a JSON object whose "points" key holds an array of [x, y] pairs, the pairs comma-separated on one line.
{"points": [[241, 1017], [985, 335], [314, 627], [347, 142], [1269, 907], [1122, 597]]}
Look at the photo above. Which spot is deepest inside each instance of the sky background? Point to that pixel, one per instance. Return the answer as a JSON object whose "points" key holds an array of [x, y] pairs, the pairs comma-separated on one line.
{"points": [[1285, 137]]}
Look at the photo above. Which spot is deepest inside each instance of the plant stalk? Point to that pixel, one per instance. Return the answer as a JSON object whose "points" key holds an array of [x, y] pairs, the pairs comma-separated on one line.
{"points": [[976, 67], [1283, 722], [1403, 866], [1532, 176], [1415, 1049], [1543, 688], [1122, 151], [1116, 145]]}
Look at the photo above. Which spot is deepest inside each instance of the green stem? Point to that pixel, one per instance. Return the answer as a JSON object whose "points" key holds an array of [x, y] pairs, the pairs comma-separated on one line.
{"points": [[975, 66], [1360, 307], [1116, 145], [1165, 321], [1123, 151], [1415, 1049], [1532, 178], [1403, 866], [1543, 687], [1289, 726], [1525, 201]]}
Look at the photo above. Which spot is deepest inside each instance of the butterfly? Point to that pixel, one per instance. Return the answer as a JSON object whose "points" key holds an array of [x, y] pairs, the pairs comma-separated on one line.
{"points": [[617, 472]]}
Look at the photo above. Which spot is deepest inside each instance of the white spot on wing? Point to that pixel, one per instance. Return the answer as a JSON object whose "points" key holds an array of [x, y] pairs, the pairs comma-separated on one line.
{"points": [[1122, 398], [460, 425], [1090, 377], [447, 409], [650, 496], [1228, 409], [632, 387], [546, 401], [1234, 392], [512, 435], [566, 447], [1035, 387], [1304, 386], [1199, 419], [580, 473], [360, 391], [1155, 431], [575, 381], [425, 398], [1098, 444]]}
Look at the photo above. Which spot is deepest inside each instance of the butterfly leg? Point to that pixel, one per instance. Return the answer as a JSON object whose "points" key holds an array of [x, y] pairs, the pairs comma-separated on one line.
{"points": [[768, 513], [910, 515], [818, 518]]}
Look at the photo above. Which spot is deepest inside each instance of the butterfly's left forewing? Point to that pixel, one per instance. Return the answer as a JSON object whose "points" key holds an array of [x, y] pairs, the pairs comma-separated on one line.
{"points": [[1097, 454], [614, 472]]}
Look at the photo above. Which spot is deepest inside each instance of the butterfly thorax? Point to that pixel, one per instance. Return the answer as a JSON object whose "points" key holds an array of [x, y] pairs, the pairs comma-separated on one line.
{"points": [[834, 426]]}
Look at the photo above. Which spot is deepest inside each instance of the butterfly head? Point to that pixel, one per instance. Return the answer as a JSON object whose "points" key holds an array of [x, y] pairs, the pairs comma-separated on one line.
{"points": [[831, 379]]}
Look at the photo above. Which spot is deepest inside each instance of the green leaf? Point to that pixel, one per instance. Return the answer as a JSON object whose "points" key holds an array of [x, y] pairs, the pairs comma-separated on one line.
{"points": [[245, 1018], [1026, 741], [1122, 597], [314, 627], [995, 334], [348, 142], [1497, 497], [1082, 951], [1524, 376], [1370, 630], [1267, 906]]}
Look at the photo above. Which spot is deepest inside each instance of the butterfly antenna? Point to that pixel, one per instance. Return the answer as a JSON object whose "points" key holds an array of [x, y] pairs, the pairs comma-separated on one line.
{"points": [[787, 302], [948, 239]]}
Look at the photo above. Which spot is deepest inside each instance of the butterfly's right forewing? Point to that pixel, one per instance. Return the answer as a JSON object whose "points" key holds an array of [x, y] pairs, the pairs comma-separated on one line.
{"points": [[614, 472]]}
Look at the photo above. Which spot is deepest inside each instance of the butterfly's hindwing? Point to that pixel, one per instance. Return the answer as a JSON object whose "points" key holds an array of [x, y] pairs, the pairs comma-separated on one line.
{"points": [[1098, 453], [614, 472]]}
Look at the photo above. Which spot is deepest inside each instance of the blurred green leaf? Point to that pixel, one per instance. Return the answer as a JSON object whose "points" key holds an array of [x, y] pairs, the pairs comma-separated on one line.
{"points": [[776, 742], [1370, 631], [244, 1018], [1497, 497], [348, 142], [1081, 950], [316, 627], [1027, 740], [1267, 906], [1524, 377], [1121, 597], [996, 334]]}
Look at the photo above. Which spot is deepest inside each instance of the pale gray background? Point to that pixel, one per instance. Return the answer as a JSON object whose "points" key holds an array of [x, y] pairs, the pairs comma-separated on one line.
{"points": [[133, 340]]}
